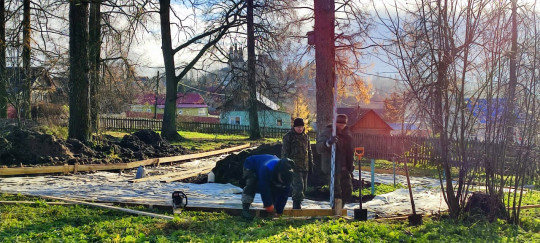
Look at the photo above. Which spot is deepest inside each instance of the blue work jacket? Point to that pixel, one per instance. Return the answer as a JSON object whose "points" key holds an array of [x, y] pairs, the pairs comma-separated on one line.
{"points": [[263, 165]]}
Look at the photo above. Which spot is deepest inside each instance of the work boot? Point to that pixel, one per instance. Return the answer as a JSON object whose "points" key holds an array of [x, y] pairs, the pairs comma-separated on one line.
{"points": [[245, 211], [297, 204]]}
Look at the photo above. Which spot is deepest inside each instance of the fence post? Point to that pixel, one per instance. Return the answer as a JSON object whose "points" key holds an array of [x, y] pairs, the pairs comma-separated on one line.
{"points": [[372, 176], [394, 163]]}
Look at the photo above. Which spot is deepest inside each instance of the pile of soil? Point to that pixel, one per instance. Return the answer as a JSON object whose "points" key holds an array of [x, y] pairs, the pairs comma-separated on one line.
{"points": [[30, 147], [481, 204], [230, 169], [200, 179]]}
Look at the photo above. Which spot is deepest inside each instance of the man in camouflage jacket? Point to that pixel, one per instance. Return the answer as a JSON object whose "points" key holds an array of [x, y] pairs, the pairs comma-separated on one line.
{"points": [[296, 147]]}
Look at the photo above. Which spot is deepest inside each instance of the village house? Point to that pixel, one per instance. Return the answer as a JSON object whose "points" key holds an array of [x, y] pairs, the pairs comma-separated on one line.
{"points": [[365, 121], [235, 111], [189, 107]]}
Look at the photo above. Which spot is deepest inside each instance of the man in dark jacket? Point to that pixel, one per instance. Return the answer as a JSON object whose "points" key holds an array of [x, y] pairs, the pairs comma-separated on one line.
{"points": [[271, 177], [344, 157], [296, 147]]}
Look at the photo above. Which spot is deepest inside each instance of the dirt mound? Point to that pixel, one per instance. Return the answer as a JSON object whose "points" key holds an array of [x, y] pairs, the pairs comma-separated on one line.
{"points": [[483, 205], [200, 179], [29, 147], [20, 146], [229, 169]]}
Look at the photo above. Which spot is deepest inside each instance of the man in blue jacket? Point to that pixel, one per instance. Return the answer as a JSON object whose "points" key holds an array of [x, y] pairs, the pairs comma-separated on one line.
{"points": [[271, 177]]}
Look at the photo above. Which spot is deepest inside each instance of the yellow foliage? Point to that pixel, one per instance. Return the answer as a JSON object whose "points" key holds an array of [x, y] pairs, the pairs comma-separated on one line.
{"points": [[301, 109], [350, 83]]}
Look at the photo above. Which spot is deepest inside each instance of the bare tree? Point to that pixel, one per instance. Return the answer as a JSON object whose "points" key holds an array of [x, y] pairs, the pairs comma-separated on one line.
{"points": [[228, 17], [94, 50], [254, 130], [26, 60], [325, 59], [3, 77], [432, 42], [79, 98]]}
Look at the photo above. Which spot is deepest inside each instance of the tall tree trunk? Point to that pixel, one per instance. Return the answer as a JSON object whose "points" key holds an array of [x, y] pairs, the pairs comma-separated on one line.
{"points": [[510, 117], [168, 127], [94, 45], [79, 95], [510, 110], [26, 61], [325, 60], [254, 130], [3, 77]]}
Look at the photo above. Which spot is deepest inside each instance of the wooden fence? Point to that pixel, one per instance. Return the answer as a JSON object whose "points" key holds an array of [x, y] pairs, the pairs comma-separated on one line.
{"points": [[107, 123], [424, 150], [417, 150], [215, 128]]}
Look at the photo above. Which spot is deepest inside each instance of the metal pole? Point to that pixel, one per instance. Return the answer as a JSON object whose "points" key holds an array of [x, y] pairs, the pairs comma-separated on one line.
{"points": [[333, 160], [394, 163], [360, 181], [372, 176]]}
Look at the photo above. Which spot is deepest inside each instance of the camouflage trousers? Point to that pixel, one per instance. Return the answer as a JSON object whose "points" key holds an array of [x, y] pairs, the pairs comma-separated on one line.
{"points": [[248, 194], [343, 186], [299, 185]]}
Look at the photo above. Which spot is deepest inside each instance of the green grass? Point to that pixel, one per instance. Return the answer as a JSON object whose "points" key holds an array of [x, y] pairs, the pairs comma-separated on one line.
{"points": [[200, 142], [54, 223], [379, 189], [418, 170], [57, 131]]}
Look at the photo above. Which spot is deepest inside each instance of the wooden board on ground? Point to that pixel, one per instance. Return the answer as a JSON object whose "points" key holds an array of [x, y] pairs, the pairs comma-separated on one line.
{"points": [[33, 202], [176, 176], [154, 215], [263, 213], [118, 166], [202, 155]]}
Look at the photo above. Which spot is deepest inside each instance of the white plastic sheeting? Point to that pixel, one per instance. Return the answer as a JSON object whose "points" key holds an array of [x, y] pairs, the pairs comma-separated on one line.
{"points": [[114, 187]]}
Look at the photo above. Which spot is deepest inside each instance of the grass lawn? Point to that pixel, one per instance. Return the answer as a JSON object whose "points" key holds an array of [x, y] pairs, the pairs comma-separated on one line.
{"points": [[385, 166], [54, 223], [201, 142]]}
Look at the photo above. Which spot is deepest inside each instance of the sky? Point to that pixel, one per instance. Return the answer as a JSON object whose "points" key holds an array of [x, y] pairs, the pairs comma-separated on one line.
{"points": [[148, 52]]}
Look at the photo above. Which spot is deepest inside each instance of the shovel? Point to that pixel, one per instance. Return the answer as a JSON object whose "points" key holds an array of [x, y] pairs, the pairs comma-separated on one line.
{"points": [[360, 213]]}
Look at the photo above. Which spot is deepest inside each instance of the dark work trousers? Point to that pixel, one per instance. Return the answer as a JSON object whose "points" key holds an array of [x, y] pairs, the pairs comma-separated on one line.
{"points": [[343, 186], [299, 185], [248, 194]]}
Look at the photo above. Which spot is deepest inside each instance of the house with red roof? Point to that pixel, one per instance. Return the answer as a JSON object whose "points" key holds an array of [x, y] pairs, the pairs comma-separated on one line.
{"points": [[190, 106], [365, 121]]}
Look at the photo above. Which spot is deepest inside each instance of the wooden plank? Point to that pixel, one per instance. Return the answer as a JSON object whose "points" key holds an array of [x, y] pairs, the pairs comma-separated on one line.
{"points": [[526, 207], [154, 215], [176, 176], [202, 155], [204, 170], [263, 213], [34, 202], [32, 170], [117, 166]]}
